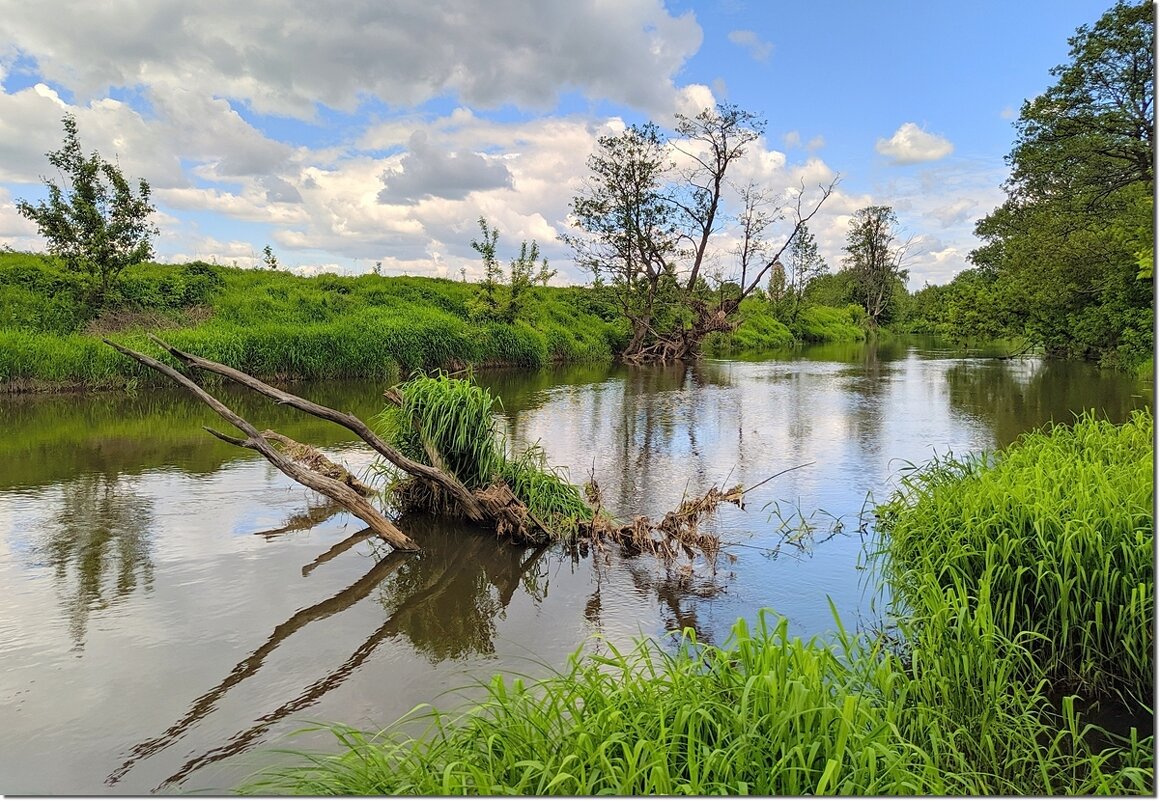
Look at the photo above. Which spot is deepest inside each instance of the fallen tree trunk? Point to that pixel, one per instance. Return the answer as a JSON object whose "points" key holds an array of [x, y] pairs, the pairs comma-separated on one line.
{"points": [[331, 488], [491, 499], [433, 475]]}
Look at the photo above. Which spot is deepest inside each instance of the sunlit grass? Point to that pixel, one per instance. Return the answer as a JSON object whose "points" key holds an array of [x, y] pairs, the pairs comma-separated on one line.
{"points": [[1054, 538], [766, 714]]}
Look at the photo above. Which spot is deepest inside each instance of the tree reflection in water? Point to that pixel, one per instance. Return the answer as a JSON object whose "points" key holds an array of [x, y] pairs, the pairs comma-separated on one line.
{"points": [[98, 546], [444, 601]]}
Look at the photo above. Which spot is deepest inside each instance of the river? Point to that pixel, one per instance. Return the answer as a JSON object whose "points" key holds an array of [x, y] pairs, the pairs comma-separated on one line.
{"points": [[175, 607]]}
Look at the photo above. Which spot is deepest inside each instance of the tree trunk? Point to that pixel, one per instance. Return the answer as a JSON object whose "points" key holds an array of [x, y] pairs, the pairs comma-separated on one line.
{"points": [[684, 344]]}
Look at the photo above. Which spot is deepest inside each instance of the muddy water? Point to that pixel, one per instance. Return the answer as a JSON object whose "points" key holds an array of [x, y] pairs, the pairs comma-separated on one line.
{"points": [[174, 607]]}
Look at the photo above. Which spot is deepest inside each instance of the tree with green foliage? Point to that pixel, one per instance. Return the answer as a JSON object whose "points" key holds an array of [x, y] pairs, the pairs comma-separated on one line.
{"points": [[497, 301], [1070, 251], [646, 221], [874, 258], [93, 220], [803, 264]]}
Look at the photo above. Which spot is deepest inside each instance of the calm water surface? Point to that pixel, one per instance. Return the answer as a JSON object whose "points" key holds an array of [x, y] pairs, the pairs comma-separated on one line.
{"points": [[174, 607]]}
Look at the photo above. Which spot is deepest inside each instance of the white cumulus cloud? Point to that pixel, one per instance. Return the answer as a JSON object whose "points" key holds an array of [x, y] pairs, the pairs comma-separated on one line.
{"points": [[910, 144]]}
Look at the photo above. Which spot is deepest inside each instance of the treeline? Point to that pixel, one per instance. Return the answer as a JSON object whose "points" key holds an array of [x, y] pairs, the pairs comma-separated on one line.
{"points": [[1067, 261]]}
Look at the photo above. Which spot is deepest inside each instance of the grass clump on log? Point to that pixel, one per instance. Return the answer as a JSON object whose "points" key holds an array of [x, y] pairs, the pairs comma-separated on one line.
{"points": [[450, 424], [1052, 540]]}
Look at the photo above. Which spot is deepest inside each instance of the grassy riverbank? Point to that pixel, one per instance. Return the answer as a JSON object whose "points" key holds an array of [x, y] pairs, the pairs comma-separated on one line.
{"points": [[276, 324], [1016, 580]]}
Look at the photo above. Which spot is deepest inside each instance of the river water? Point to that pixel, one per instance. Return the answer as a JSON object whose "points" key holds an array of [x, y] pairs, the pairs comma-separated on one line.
{"points": [[174, 607]]}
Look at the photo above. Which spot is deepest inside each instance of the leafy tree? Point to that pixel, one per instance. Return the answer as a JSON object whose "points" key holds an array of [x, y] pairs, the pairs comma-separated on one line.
{"points": [[831, 289], [497, 301], [803, 264], [93, 220], [269, 259], [1070, 251], [874, 258], [645, 225]]}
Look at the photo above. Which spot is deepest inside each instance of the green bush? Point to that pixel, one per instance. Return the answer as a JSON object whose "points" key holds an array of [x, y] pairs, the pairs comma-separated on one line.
{"points": [[830, 324]]}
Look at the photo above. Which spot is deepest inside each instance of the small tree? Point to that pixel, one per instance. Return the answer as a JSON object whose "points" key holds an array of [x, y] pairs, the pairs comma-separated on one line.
{"points": [[874, 257], [804, 265], [93, 221], [495, 301], [269, 259]]}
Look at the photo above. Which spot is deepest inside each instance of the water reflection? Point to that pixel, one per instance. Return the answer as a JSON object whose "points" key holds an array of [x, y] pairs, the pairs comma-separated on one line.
{"points": [[1012, 397], [477, 578], [98, 546], [443, 601], [50, 439], [127, 492]]}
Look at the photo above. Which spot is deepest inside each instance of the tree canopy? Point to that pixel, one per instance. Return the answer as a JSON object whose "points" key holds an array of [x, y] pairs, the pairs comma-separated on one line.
{"points": [[1069, 254]]}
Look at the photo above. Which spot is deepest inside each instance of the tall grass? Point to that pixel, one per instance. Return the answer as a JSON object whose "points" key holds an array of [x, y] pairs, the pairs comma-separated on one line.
{"points": [[1053, 539], [277, 324], [450, 423], [766, 714], [1010, 573]]}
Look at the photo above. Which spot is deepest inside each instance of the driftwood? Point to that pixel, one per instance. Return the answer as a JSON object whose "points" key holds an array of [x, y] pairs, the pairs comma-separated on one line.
{"points": [[331, 488], [495, 506], [315, 460], [448, 483]]}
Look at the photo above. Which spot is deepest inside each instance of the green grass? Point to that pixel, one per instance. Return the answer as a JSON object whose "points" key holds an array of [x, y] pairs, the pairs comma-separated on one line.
{"points": [[450, 423], [277, 324], [766, 714], [1053, 539], [830, 324], [1009, 575]]}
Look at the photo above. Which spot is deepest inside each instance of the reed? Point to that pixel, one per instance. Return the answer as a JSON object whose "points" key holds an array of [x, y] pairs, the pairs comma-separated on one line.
{"points": [[765, 714], [450, 423], [1052, 538]]}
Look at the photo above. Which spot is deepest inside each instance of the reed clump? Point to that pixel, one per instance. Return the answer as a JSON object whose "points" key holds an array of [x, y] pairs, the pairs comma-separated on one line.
{"points": [[1052, 539], [450, 424]]}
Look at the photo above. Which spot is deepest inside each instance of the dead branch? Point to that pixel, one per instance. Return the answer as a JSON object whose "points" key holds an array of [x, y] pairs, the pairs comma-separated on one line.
{"points": [[313, 459], [331, 488], [445, 481]]}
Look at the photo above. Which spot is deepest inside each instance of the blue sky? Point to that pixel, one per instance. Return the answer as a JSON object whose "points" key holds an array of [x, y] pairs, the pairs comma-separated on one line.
{"points": [[382, 132]]}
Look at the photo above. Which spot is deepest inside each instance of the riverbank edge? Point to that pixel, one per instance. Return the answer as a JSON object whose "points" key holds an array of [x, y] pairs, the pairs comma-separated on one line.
{"points": [[286, 327], [936, 705]]}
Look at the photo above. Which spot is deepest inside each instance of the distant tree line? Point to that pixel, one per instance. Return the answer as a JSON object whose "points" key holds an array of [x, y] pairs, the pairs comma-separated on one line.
{"points": [[1066, 262]]}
